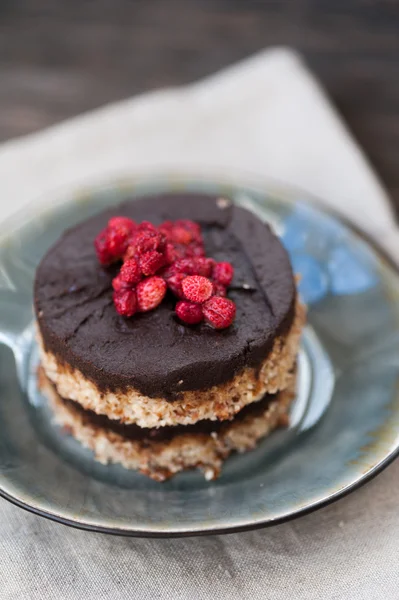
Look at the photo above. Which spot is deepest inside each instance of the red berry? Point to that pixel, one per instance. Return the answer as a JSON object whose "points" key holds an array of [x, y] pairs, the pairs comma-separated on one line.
{"points": [[130, 271], [188, 312], [180, 235], [162, 241], [185, 265], [151, 261], [219, 312], [174, 284], [195, 266], [170, 253], [102, 249], [190, 226], [118, 238], [148, 240], [194, 250], [147, 226], [204, 265], [111, 244], [223, 273], [167, 225], [175, 251], [167, 272], [197, 288], [166, 228], [125, 302], [219, 289], [180, 251], [122, 221], [130, 252], [119, 285], [150, 293], [144, 241]]}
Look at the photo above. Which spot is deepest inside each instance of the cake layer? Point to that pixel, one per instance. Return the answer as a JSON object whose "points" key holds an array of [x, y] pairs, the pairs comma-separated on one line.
{"points": [[160, 456], [152, 353], [219, 402]]}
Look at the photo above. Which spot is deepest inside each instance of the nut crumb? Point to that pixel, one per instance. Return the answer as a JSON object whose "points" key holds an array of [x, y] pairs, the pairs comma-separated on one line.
{"points": [[209, 474], [223, 203]]}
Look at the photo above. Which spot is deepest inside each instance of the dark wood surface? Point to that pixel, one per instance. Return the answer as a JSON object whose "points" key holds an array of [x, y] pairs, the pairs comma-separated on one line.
{"points": [[59, 58]]}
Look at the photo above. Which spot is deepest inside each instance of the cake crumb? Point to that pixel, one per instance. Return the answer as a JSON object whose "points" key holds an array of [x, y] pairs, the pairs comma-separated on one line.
{"points": [[209, 474], [223, 203]]}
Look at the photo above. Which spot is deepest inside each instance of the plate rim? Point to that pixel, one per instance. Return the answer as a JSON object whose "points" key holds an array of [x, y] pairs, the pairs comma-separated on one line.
{"points": [[229, 529], [269, 187]]}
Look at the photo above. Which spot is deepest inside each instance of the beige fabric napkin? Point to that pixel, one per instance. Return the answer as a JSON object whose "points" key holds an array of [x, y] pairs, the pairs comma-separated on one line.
{"points": [[265, 118]]}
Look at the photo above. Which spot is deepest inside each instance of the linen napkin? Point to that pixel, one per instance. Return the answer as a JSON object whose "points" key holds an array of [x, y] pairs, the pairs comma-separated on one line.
{"points": [[264, 118]]}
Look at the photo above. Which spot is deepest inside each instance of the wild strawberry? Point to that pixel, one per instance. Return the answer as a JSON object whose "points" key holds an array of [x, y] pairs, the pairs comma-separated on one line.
{"points": [[130, 271], [180, 235], [150, 293], [180, 251], [144, 241], [166, 228], [147, 226], [130, 252], [204, 265], [118, 238], [122, 222], [175, 284], [195, 250], [167, 272], [223, 273], [185, 265], [170, 253], [104, 254], [197, 288], [195, 266], [151, 261], [125, 302], [219, 312], [111, 244], [148, 240], [219, 289], [119, 285], [188, 312], [175, 251], [190, 226]]}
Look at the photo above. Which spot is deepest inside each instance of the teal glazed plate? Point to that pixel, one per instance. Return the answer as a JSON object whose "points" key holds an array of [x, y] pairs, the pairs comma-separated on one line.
{"points": [[344, 425]]}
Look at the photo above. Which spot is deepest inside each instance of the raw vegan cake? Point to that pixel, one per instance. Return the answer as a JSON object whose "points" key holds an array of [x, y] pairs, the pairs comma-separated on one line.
{"points": [[168, 328]]}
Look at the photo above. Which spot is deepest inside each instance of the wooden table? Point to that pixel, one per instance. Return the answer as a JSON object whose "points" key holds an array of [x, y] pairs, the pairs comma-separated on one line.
{"points": [[59, 58]]}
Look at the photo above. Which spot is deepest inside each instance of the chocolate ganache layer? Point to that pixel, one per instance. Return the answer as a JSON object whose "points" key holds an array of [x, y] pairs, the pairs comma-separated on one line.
{"points": [[158, 434], [153, 352]]}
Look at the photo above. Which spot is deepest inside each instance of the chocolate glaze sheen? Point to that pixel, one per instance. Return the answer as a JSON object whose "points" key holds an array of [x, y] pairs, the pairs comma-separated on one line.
{"points": [[153, 352]]}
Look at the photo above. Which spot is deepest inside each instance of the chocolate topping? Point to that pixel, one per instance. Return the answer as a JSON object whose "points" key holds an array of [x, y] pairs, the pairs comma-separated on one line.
{"points": [[153, 352]]}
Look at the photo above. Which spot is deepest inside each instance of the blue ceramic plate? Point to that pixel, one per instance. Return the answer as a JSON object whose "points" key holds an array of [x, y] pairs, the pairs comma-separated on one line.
{"points": [[344, 422]]}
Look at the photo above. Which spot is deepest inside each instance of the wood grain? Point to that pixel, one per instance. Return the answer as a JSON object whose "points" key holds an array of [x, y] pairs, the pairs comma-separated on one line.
{"points": [[60, 58]]}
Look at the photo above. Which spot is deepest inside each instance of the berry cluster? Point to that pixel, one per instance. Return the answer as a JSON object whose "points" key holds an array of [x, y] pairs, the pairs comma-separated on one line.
{"points": [[170, 256]]}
